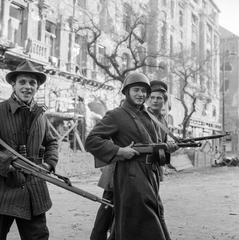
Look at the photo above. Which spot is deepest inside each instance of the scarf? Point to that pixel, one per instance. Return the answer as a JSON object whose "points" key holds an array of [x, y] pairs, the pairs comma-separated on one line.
{"points": [[32, 105]]}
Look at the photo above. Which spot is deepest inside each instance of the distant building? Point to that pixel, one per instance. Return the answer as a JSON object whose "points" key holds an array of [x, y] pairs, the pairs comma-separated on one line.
{"points": [[229, 65]]}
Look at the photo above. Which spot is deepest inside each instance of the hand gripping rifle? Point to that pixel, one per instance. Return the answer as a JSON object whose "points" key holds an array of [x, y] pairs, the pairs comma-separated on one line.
{"points": [[156, 149], [192, 140], [153, 148], [28, 167]]}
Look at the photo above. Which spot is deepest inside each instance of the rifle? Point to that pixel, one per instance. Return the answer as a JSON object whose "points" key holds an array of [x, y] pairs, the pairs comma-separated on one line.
{"points": [[203, 138], [28, 167]]}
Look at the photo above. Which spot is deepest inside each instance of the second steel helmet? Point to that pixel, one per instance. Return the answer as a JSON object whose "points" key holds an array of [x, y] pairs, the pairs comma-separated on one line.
{"points": [[134, 78]]}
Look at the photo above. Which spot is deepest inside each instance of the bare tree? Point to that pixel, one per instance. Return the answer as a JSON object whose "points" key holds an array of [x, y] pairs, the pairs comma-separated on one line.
{"points": [[133, 39], [191, 74]]}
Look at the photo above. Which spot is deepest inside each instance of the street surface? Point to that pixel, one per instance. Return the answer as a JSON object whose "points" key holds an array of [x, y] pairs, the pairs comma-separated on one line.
{"points": [[199, 204]]}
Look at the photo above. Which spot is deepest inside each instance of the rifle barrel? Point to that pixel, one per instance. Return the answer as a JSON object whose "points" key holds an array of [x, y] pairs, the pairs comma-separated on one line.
{"points": [[202, 138], [150, 148]]}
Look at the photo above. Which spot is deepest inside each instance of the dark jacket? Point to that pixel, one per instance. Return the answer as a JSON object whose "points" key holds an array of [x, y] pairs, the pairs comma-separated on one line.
{"points": [[136, 184], [22, 195]]}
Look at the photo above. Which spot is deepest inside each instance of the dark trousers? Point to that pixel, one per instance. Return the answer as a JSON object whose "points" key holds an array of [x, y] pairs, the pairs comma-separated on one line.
{"points": [[34, 229], [103, 219]]}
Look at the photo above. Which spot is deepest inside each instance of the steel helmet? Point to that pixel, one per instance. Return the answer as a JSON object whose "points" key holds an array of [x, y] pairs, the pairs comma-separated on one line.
{"points": [[136, 77]]}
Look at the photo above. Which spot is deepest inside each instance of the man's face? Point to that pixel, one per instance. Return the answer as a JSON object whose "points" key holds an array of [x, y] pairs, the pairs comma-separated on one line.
{"points": [[25, 86], [138, 94], [156, 101]]}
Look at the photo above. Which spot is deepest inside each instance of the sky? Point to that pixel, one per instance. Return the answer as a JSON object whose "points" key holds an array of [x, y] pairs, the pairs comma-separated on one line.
{"points": [[229, 16]]}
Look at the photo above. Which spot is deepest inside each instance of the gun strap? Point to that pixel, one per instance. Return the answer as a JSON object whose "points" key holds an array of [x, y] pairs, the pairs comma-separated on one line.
{"points": [[134, 116], [165, 129]]}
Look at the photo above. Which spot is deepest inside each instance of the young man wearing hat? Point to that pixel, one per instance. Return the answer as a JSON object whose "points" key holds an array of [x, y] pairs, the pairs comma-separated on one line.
{"points": [[25, 198], [136, 181], [156, 102]]}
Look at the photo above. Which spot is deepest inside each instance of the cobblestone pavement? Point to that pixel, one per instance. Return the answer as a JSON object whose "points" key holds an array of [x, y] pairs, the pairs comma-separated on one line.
{"points": [[200, 204]]}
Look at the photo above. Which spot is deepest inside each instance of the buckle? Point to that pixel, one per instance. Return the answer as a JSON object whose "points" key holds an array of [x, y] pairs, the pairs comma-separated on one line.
{"points": [[148, 159]]}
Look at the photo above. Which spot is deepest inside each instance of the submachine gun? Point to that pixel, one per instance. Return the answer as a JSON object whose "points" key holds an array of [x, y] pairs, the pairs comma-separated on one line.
{"points": [[182, 143], [28, 167]]}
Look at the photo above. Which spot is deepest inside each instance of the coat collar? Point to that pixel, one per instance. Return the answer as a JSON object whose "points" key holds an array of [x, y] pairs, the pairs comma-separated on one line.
{"points": [[131, 107], [14, 105]]}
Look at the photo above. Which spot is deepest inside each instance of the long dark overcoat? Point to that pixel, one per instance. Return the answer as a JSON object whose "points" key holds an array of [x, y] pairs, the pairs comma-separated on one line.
{"points": [[136, 184], [22, 195]]}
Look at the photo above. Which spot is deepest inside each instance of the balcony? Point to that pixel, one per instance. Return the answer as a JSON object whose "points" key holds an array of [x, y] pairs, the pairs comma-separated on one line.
{"points": [[37, 51]]}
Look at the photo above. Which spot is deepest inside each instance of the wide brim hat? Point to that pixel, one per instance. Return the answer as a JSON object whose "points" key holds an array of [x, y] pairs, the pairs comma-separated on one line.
{"points": [[26, 67], [158, 85]]}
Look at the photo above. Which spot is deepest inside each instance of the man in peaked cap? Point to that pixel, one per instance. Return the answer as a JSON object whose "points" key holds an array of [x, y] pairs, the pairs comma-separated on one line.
{"points": [[156, 101], [24, 127]]}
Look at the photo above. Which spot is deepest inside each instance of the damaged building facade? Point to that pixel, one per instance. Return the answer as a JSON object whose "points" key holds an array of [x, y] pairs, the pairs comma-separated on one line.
{"points": [[54, 36]]}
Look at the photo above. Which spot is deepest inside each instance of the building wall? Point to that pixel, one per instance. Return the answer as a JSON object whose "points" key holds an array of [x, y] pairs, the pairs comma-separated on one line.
{"points": [[229, 55], [65, 20]]}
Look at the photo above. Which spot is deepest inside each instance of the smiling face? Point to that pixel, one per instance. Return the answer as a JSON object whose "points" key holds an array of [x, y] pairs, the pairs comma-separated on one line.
{"points": [[25, 86], [138, 94], [156, 101]]}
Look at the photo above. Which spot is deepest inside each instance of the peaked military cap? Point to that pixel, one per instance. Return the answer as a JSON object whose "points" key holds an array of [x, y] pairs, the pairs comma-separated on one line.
{"points": [[158, 85], [26, 67]]}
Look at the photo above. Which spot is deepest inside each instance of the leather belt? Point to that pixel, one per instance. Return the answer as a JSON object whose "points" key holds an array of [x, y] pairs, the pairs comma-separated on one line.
{"points": [[147, 158]]}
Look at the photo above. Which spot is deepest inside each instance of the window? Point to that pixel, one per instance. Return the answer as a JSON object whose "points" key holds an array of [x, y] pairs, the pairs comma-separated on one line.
{"points": [[193, 47], [125, 61], [81, 3], [142, 56], [194, 34], [171, 45], [15, 25], [215, 42], [80, 51], [181, 18], [164, 3], [163, 35], [214, 111], [127, 17], [50, 37], [101, 57], [172, 9], [194, 19]]}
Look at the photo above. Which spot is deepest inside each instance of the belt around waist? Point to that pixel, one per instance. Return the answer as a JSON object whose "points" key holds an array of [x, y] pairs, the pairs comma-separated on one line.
{"points": [[147, 158]]}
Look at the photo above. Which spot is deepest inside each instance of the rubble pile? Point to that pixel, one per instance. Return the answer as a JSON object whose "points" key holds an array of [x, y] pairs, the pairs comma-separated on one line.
{"points": [[228, 161]]}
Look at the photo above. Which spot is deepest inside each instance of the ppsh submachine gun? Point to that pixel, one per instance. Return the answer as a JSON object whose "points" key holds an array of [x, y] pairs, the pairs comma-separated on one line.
{"points": [[165, 157], [25, 165], [183, 143]]}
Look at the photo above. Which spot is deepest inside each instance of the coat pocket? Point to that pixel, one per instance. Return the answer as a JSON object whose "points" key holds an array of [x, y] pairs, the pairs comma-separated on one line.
{"points": [[15, 179]]}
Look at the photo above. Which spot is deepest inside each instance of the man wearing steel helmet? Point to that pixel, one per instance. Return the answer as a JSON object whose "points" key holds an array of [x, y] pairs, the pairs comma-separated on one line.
{"points": [[156, 102], [24, 127], [136, 182]]}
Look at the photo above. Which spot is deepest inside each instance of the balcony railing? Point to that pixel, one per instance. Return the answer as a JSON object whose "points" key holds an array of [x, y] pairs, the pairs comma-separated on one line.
{"points": [[38, 50]]}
